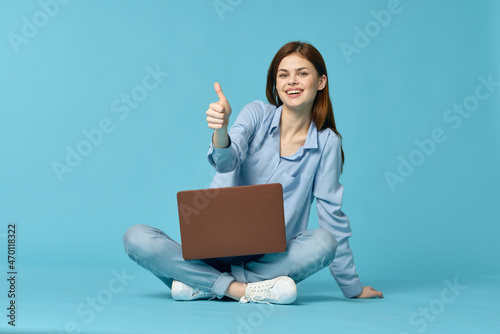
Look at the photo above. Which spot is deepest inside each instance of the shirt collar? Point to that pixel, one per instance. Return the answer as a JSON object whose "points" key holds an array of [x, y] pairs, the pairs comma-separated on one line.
{"points": [[276, 120], [312, 137], [312, 134]]}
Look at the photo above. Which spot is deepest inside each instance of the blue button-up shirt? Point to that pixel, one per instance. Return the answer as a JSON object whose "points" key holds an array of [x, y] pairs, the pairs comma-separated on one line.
{"points": [[253, 157]]}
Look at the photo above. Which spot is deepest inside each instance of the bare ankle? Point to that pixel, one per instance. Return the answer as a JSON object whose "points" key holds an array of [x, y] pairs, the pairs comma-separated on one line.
{"points": [[235, 290]]}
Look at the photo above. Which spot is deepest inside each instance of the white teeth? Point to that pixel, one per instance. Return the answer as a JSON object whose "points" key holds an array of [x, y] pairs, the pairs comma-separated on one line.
{"points": [[294, 92]]}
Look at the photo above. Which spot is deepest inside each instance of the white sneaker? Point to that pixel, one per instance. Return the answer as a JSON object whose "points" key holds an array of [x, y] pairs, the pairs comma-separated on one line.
{"points": [[182, 291], [280, 290]]}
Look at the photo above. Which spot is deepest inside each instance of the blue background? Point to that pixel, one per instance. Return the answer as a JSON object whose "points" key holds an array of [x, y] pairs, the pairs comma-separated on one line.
{"points": [[442, 221]]}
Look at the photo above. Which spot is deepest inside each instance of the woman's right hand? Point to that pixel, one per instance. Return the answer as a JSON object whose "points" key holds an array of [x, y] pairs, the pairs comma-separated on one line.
{"points": [[218, 118], [218, 112]]}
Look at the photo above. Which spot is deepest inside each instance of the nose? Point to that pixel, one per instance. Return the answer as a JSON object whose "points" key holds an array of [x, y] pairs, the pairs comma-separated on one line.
{"points": [[292, 80]]}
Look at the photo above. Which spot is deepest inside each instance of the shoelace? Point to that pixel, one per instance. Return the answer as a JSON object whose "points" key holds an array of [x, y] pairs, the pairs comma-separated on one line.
{"points": [[259, 294]]}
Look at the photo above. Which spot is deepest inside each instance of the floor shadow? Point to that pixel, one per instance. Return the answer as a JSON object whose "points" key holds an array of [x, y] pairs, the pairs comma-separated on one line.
{"points": [[167, 295], [159, 295], [301, 299], [309, 299]]}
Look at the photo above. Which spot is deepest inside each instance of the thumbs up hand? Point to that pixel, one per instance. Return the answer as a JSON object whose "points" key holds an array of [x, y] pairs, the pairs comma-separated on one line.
{"points": [[218, 112]]}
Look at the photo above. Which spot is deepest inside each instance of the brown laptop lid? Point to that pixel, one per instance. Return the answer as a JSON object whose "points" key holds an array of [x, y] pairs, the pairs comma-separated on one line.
{"points": [[232, 221]]}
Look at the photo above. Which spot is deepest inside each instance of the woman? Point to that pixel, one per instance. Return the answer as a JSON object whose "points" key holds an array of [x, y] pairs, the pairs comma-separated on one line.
{"points": [[293, 141]]}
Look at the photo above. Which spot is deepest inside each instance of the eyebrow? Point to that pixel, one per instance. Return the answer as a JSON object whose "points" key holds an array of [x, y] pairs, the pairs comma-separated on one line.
{"points": [[296, 70]]}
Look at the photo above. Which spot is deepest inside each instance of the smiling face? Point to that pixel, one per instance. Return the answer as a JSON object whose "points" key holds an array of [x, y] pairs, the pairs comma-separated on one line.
{"points": [[297, 83]]}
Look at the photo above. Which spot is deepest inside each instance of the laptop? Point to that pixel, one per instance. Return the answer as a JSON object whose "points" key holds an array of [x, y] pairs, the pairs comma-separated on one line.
{"points": [[232, 221]]}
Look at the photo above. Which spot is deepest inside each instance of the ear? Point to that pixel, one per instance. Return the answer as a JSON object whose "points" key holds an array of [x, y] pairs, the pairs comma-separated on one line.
{"points": [[322, 82]]}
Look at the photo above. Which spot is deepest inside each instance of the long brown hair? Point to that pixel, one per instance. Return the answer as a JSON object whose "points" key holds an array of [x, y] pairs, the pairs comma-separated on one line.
{"points": [[322, 111]]}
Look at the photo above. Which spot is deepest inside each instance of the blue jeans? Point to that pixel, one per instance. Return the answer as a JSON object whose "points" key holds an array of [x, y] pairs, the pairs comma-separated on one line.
{"points": [[307, 252]]}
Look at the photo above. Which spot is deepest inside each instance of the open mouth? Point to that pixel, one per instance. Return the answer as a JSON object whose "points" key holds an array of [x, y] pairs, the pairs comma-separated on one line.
{"points": [[294, 93]]}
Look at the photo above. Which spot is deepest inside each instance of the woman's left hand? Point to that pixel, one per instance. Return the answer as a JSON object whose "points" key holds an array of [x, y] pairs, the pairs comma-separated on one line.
{"points": [[369, 292]]}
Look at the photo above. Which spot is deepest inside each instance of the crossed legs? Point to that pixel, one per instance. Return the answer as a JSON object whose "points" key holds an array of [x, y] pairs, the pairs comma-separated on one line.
{"points": [[307, 252]]}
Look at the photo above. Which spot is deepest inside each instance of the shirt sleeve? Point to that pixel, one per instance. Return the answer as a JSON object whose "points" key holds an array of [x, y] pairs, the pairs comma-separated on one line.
{"points": [[328, 192], [226, 160]]}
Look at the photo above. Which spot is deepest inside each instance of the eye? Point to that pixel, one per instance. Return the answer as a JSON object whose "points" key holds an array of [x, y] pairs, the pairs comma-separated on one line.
{"points": [[303, 74], [282, 75]]}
